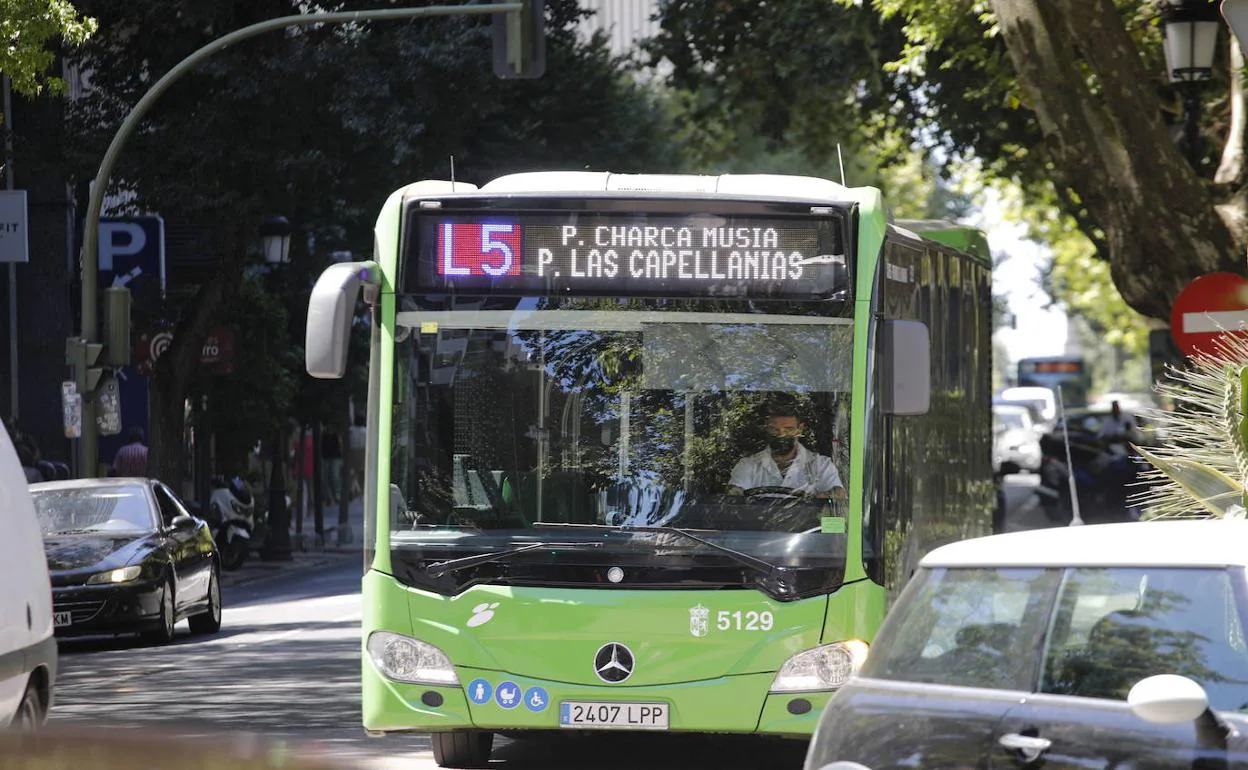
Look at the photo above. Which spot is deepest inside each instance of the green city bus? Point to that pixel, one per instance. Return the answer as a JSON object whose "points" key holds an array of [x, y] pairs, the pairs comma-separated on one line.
{"points": [[570, 374]]}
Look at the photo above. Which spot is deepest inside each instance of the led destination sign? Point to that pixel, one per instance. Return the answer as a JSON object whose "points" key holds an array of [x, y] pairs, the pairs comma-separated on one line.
{"points": [[629, 253]]}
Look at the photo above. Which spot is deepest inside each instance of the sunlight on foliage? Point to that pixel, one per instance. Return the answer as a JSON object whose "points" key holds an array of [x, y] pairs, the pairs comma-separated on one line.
{"points": [[1076, 278], [29, 28]]}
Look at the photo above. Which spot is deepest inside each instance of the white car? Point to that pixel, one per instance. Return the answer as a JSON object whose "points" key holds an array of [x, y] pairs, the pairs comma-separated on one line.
{"points": [[1107, 645], [1015, 437], [28, 654]]}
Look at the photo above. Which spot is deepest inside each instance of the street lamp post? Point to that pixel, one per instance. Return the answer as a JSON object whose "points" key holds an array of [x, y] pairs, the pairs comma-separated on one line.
{"points": [[275, 243], [1191, 36], [88, 448]]}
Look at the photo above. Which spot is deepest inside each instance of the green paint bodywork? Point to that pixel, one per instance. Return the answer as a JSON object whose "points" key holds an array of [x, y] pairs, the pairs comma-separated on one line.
{"points": [[547, 637]]}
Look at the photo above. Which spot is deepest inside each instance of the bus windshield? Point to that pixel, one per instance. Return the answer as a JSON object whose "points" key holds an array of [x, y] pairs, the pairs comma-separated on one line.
{"points": [[566, 422]]}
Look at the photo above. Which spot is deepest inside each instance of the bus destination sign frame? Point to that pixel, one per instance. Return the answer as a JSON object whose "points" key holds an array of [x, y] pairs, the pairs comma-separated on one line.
{"points": [[626, 253]]}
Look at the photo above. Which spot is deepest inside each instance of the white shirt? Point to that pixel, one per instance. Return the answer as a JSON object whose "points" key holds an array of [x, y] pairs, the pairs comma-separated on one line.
{"points": [[809, 472]]}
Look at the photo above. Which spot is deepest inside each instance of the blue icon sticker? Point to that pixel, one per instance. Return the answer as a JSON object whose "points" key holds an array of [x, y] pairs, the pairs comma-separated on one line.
{"points": [[479, 691], [536, 699], [507, 695]]}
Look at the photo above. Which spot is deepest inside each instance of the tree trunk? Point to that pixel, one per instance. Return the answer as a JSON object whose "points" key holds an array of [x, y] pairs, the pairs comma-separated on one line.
{"points": [[179, 363], [1082, 75]]}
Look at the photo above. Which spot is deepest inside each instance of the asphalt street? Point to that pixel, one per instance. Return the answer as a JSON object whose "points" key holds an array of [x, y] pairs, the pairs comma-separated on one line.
{"points": [[282, 675]]}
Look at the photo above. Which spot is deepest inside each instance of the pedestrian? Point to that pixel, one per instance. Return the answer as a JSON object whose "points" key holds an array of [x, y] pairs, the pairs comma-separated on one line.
{"points": [[331, 453], [358, 438], [131, 459]]}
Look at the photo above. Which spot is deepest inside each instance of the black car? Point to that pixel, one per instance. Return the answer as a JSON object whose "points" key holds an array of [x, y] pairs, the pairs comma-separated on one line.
{"points": [[1107, 645], [125, 556]]}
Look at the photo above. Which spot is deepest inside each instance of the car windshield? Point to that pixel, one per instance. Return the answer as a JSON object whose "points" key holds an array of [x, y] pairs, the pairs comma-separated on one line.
{"points": [[1009, 420], [89, 511], [527, 420], [1107, 630]]}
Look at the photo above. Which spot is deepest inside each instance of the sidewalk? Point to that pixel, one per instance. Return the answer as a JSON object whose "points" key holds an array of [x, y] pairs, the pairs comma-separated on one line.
{"points": [[307, 555]]}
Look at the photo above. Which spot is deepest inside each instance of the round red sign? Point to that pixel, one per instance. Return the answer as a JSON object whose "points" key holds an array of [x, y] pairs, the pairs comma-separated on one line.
{"points": [[1210, 306]]}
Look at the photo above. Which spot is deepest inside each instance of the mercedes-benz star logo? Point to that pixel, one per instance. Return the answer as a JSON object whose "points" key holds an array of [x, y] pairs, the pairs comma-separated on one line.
{"points": [[614, 663]]}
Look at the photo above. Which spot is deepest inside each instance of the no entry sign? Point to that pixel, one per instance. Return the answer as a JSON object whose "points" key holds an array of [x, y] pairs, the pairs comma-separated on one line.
{"points": [[1212, 305]]}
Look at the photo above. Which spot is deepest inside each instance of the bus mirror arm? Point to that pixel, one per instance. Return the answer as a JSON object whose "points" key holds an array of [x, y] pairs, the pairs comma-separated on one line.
{"points": [[331, 311], [906, 367]]}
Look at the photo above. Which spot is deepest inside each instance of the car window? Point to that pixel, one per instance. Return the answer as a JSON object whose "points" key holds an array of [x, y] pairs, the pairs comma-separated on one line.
{"points": [[169, 507], [86, 511], [1114, 627], [972, 627]]}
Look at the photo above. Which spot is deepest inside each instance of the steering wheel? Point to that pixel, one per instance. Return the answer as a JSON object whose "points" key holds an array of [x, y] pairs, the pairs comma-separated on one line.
{"points": [[782, 492]]}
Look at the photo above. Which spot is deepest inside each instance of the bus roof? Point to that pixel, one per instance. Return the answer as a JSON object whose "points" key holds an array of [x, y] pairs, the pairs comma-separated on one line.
{"points": [[589, 183], [958, 236]]}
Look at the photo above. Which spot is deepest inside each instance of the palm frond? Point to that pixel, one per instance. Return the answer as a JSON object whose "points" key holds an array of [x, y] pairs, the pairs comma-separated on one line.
{"points": [[1201, 468]]}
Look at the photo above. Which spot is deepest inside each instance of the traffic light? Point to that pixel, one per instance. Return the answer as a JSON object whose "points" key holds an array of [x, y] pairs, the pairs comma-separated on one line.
{"points": [[520, 41]]}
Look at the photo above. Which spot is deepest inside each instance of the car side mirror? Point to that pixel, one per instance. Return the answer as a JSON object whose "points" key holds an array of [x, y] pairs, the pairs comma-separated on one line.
{"points": [[1009, 467], [907, 367], [182, 521], [1167, 699]]}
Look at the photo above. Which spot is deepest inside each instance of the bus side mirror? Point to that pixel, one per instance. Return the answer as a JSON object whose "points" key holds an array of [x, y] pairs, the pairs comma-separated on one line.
{"points": [[906, 367], [330, 312]]}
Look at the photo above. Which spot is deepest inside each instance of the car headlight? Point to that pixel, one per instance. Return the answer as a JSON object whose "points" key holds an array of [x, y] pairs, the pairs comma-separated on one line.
{"points": [[826, 667], [119, 575], [405, 659]]}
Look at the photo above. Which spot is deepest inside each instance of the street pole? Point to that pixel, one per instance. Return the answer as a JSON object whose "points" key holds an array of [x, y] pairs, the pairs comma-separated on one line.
{"points": [[88, 447], [1191, 122]]}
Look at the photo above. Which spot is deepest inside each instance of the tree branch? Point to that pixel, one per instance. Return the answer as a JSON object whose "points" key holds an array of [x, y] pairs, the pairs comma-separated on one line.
{"points": [[1083, 75]]}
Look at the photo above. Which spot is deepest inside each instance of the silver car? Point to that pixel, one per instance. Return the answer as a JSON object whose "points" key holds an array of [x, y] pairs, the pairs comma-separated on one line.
{"points": [[1015, 437]]}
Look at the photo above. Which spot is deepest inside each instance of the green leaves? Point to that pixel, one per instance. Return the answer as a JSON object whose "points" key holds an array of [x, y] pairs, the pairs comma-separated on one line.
{"points": [[30, 29]]}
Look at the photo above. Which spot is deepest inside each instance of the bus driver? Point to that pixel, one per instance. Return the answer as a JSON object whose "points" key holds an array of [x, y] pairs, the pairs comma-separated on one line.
{"points": [[786, 463]]}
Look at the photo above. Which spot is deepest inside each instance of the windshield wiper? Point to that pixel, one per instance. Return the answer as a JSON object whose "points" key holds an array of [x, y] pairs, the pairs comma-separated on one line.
{"points": [[782, 574], [452, 565]]}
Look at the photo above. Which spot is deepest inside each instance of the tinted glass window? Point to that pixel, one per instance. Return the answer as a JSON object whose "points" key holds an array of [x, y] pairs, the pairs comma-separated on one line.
{"points": [[970, 627], [1114, 627]]}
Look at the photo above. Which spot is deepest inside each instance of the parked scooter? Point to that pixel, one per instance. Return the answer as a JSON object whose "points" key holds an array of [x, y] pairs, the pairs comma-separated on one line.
{"points": [[1103, 476], [233, 511]]}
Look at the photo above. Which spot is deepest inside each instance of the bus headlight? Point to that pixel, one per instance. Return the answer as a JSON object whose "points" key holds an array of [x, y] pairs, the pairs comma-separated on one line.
{"points": [[405, 659], [826, 667]]}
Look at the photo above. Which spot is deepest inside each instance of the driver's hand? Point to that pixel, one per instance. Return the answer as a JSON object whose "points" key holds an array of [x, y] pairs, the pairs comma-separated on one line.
{"points": [[736, 491], [838, 493]]}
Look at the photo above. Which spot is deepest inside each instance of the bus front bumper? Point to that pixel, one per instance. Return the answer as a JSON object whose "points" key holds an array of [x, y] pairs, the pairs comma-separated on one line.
{"points": [[491, 700]]}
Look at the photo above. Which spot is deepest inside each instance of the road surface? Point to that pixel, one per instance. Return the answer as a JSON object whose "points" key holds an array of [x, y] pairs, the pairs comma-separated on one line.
{"points": [[284, 672]]}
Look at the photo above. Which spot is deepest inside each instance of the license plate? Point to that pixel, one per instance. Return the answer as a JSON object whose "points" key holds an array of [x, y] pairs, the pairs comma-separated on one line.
{"points": [[623, 716], [61, 619]]}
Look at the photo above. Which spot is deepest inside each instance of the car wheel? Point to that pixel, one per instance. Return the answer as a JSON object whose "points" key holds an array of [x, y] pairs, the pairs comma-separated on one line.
{"points": [[30, 713], [463, 748], [163, 633], [209, 621]]}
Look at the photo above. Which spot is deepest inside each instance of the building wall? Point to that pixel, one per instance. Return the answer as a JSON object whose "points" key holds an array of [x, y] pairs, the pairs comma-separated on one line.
{"points": [[626, 21], [46, 285]]}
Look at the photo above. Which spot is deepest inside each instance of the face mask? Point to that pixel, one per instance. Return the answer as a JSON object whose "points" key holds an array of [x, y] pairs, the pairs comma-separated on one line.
{"points": [[781, 444]]}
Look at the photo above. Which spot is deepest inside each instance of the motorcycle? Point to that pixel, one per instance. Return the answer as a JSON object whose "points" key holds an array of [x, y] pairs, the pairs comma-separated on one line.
{"points": [[1103, 473], [233, 510]]}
